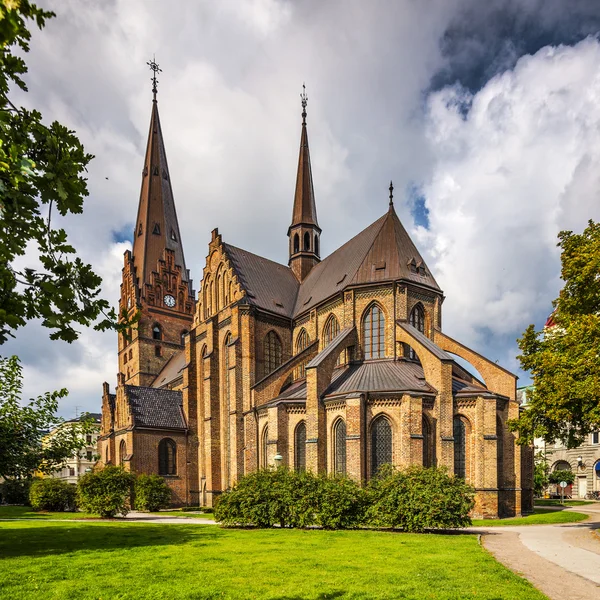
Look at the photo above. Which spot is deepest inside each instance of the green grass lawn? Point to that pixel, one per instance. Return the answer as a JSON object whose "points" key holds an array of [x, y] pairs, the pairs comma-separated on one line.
{"points": [[539, 517], [85, 561], [25, 512], [553, 502]]}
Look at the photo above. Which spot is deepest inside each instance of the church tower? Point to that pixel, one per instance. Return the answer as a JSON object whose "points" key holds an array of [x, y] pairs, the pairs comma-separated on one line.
{"points": [[304, 232], [155, 279]]}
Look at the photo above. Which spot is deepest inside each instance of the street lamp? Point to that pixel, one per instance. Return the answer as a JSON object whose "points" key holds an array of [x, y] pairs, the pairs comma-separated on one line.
{"points": [[278, 458]]}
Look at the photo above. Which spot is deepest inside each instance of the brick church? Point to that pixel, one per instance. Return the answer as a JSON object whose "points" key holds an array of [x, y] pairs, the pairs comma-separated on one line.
{"points": [[336, 364]]}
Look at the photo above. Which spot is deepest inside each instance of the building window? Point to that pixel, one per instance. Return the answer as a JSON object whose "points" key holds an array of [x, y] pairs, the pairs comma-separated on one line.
{"points": [[130, 354], [316, 244], [381, 444], [272, 352], [167, 457], [300, 447], [374, 332], [107, 459], [302, 342], [156, 332], [595, 437], [122, 452], [427, 449], [264, 446], [460, 447], [88, 439], [71, 472], [331, 329], [88, 455], [296, 243], [157, 351], [339, 447], [183, 334], [417, 320]]}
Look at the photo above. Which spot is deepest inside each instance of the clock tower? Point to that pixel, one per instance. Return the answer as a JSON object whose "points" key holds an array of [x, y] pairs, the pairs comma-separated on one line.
{"points": [[155, 279]]}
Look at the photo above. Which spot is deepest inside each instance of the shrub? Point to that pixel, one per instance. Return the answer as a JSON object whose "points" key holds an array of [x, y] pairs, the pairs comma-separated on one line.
{"points": [[340, 503], [268, 497], [52, 494], [561, 475], [151, 493], [105, 492], [15, 491], [417, 499]]}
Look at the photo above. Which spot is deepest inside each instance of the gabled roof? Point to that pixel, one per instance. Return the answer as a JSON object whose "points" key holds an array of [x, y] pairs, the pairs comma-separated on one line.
{"points": [[381, 252], [171, 371], [156, 408], [269, 285]]}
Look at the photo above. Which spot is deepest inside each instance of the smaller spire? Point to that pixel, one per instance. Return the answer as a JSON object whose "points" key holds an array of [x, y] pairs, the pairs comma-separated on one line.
{"points": [[155, 69], [304, 103], [391, 194]]}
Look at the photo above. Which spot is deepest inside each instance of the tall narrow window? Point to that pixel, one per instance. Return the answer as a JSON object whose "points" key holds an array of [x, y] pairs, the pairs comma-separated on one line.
{"points": [[302, 342], [296, 243], [331, 329], [339, 447], [122, 452], [381, 444], [183, 334], [157, 332], [427, 449], [264, 446], [227, 381], [300, 447], [374, 333], [307, 241], [272, 352], [316, 244], [417, 320], [167, 457], [460, 448]]}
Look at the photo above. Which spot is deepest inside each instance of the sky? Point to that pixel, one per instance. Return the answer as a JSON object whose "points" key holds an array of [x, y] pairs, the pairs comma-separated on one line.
{"points": [[486, 116]]}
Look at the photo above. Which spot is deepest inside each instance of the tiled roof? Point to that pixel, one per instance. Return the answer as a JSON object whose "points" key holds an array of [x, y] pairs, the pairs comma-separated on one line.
{"points": [[171, 371], [157, 408], [460, 386], [269, 285]]}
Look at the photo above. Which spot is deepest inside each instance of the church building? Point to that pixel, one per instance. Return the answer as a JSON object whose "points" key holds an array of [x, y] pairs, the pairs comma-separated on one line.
{"points": [[335, 364]]}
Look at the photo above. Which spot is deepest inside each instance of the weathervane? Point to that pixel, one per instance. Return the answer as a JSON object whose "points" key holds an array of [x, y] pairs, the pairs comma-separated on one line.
{"points": [[391, 194], [155, 69], [304, 103]]}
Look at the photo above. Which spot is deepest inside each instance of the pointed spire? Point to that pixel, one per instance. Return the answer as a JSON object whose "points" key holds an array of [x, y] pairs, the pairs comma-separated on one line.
{"points": [[391, 188], [305, 209], [156, 228]]}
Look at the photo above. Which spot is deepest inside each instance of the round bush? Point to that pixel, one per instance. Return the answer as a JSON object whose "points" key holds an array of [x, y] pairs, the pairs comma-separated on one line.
{"points": [[340, 503], [151, 493], [417, 499], [106, 492], [52, 494], [15, 491]]}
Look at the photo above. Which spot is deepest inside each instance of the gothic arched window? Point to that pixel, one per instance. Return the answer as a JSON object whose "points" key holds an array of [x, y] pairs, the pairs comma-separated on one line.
{"points": [[316, 244], [122, 452], [156, 332], [272, 352], [339, 447], [374, 332], [417, 320], [296, 243], [331, 329], [300, 447], [167, 457], [307, 241], [460, 447], [381, 443], [264, 445], [427, 449], [302, 342]]}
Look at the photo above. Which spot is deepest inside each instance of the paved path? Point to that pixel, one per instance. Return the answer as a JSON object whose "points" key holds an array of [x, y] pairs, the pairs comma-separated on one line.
{"points": [[563, 561]]}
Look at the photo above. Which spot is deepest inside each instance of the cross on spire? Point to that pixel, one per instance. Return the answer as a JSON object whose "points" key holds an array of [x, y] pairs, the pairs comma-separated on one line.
{"points": [[304, 98], [391, 194], [155, 69]]}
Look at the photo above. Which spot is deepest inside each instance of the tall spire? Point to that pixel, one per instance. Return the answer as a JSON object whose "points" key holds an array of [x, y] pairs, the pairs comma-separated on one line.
{"points": [[304, 231], [156, 228]]}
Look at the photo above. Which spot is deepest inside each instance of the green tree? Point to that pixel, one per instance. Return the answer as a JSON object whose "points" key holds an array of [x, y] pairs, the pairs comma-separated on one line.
{"points": [[106, 492], [42, 174], [540, 474], [564, 360], [565, 475], [24, 445]]}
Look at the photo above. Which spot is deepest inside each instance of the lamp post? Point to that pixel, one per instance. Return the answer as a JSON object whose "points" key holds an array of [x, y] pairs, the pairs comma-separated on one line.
{"points": [[278, 458]]}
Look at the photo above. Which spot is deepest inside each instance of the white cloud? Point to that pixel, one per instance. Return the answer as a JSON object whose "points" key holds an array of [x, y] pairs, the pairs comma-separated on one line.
{"points": [[514, 164]]}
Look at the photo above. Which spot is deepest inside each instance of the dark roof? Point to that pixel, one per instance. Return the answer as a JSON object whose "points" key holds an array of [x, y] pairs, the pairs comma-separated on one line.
{"points": [[171, 371], [269, 285], [96, 417], [462, 386], [154, 407], [381, 252]]}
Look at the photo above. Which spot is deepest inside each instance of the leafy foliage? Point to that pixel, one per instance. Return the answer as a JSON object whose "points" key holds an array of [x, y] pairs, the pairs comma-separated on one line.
{"points": [[417, 499], [562, 475], [105, 492], [15, 491], [564, 362], [540, 474], [42, 170], [24, 446], [340, 503], [52, 494], [151, 493]]}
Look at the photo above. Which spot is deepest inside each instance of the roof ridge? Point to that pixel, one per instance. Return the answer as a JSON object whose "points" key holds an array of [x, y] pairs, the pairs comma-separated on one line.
{"points": [[257, 256]]}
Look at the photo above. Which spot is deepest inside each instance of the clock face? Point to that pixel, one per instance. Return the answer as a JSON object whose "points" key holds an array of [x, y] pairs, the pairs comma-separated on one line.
{"points": [[169, 301]]}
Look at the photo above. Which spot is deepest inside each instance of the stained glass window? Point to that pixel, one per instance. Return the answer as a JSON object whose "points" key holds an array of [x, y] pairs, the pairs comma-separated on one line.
{"points": [[302, 342], [460, 448], [300, 447], [373, 333], [272, 352], [381, 444], [339, 448], [167, 452]]}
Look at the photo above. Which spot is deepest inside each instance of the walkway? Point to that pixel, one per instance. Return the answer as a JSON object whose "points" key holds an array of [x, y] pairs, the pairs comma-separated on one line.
{"points": [[563, 561]]}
